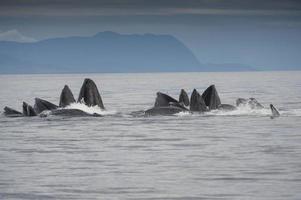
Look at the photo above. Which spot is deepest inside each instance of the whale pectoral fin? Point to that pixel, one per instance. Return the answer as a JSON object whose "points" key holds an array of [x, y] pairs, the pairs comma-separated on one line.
{"points": [[275, 112]]}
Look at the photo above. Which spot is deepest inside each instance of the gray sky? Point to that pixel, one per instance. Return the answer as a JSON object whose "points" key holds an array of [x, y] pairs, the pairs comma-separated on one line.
{"points": [[260, 33]]}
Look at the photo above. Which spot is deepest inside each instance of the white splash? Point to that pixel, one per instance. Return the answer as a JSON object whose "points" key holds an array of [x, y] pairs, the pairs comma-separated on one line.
{"points": [[184, 113], [241, 110], [90, 109]]}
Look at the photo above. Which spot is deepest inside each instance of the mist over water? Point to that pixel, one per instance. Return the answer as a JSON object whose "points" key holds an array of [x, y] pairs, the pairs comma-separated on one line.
{"points": [[240, 154]]}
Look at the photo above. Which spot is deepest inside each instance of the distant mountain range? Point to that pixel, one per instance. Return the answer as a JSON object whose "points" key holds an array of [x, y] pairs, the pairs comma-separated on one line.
{"points": [[104, 52]]}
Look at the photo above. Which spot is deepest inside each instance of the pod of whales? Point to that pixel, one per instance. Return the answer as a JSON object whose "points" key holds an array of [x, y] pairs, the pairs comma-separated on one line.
{"points": [[164, 104], [209, 100], [89, 95]]}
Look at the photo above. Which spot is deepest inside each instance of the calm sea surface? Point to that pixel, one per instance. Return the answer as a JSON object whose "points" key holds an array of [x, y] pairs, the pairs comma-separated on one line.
{"points": [[241, 154]]}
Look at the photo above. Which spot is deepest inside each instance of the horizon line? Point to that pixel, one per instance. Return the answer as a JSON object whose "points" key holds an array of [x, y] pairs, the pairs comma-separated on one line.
{"points": [[154, 72]]}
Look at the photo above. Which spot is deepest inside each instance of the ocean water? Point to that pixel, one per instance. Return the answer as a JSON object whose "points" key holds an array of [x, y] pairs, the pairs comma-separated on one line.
{"points": [[241, 154]]}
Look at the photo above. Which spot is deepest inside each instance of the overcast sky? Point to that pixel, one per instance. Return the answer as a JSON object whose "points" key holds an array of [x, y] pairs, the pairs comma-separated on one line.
{"points": [[234, 31]]}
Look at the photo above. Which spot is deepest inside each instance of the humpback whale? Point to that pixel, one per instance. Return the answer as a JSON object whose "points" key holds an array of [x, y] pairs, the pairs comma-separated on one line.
{"points": [[89, 94], [183, 98], [211, 98], [251, 102], [197, 102], [66, 97], [165, 105], [9, 112], [41, 105], [275, 112], [164, 100], [28, 110]]}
